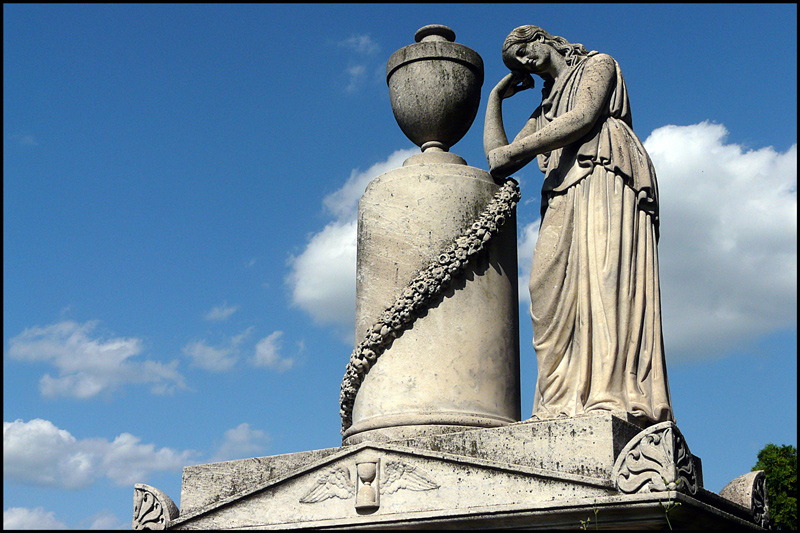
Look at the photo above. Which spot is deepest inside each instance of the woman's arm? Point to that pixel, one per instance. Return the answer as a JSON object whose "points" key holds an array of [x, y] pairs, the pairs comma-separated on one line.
{"points": [[563, 130], [494, 133]]}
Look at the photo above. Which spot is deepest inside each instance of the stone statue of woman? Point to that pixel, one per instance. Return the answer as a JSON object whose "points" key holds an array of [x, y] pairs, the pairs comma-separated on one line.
{"points": [[595, 297]]}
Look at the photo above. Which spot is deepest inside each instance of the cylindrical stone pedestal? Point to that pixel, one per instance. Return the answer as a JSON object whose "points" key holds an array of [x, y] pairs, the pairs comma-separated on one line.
{"points": [[457, 366]]}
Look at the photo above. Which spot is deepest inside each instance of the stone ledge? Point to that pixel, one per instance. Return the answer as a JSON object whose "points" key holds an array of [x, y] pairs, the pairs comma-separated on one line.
{"points": [[641, 511]]}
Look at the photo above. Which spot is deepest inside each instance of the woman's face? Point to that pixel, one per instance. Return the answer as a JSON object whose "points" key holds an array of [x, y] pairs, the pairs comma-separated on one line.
{"points": [[532, 57]]}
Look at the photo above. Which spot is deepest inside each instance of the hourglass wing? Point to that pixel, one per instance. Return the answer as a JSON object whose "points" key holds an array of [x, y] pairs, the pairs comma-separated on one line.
{"points": [[335, 483], [399, 475]]}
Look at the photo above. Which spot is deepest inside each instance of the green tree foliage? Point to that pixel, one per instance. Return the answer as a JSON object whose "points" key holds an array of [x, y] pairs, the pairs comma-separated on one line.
{"points": [[779, 463]]}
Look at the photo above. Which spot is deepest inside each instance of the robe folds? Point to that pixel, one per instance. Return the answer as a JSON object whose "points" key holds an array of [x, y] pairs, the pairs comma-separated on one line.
{"points": [[595, 294]]}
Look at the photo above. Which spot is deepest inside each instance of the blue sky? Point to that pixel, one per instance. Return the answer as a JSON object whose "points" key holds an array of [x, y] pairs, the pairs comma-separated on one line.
{"points": [[179, 194]]}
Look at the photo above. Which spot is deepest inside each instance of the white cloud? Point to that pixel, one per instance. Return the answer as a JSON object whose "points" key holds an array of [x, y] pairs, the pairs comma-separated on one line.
{"points": [[362, 57], [37, 518], [323, 276], [268, 353], [39, 453], [241, 442], [221, 313], [88, 366], [216, 359], [343, 203], [24, 139], [105, 520], [210, 358], [361, 44], [728, 249], [525, 244], [356, 74]]}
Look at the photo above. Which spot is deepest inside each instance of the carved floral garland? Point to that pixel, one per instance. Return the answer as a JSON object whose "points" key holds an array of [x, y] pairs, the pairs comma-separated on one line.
{"points": [[426, 286]]}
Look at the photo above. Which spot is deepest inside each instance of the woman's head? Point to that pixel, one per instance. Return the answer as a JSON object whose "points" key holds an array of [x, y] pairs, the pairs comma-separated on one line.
{"points": [[529, 34]]}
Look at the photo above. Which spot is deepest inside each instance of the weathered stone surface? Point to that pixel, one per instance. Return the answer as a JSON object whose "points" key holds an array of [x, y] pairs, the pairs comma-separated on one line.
{"points": [[750, 491], [656, 460], [410, 481], [206, 484], [586, 445], [435, 88], [523, 475]]}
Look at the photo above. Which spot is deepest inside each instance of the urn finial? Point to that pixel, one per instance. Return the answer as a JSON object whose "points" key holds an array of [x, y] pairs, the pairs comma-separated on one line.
{"points": [[434, 32]]}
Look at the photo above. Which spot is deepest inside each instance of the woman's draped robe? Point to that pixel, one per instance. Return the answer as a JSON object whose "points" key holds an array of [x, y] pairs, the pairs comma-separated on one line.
{"points": [[595, 297]]}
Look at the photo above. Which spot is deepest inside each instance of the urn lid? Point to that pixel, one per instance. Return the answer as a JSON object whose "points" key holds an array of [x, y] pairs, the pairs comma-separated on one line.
{"points": [[435, 32], [435, 41]]}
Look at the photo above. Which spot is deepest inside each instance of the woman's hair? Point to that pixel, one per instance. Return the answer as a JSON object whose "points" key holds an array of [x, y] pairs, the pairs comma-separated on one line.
{"points": [[528, 34]]}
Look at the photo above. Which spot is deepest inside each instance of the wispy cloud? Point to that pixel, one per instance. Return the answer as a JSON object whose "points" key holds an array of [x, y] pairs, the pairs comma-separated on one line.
{"points": [[88, 366], [356, 75], [34, 519], [105, 520], [24, 139], [361, 44], [210, 358], [362, 51], [221, 313], [241, 442], [267, 353], [39, 453], [219, 358]]}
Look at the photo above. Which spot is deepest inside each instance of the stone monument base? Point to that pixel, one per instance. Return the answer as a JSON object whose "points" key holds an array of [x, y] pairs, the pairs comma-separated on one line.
{"points": [[592, 471]]}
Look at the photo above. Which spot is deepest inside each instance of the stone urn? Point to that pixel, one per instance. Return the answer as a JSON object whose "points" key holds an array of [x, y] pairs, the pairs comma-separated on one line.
{"points": [[435, 88]]}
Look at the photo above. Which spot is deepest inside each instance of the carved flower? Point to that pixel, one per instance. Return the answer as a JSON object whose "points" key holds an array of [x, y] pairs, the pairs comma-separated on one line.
{"points": [[360, 365], [419, 298]]}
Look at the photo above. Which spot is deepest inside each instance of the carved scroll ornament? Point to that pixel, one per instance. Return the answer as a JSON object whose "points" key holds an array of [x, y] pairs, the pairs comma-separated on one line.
{"points": [[152, 509], [656, 460], [750, 491]]}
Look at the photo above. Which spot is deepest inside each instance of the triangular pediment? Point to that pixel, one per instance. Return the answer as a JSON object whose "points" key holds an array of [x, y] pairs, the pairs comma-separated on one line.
{"points": [[370, 481]]}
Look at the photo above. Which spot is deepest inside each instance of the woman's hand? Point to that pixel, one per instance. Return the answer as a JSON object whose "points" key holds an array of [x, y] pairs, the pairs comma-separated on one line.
{"points": [[513, 83]]}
